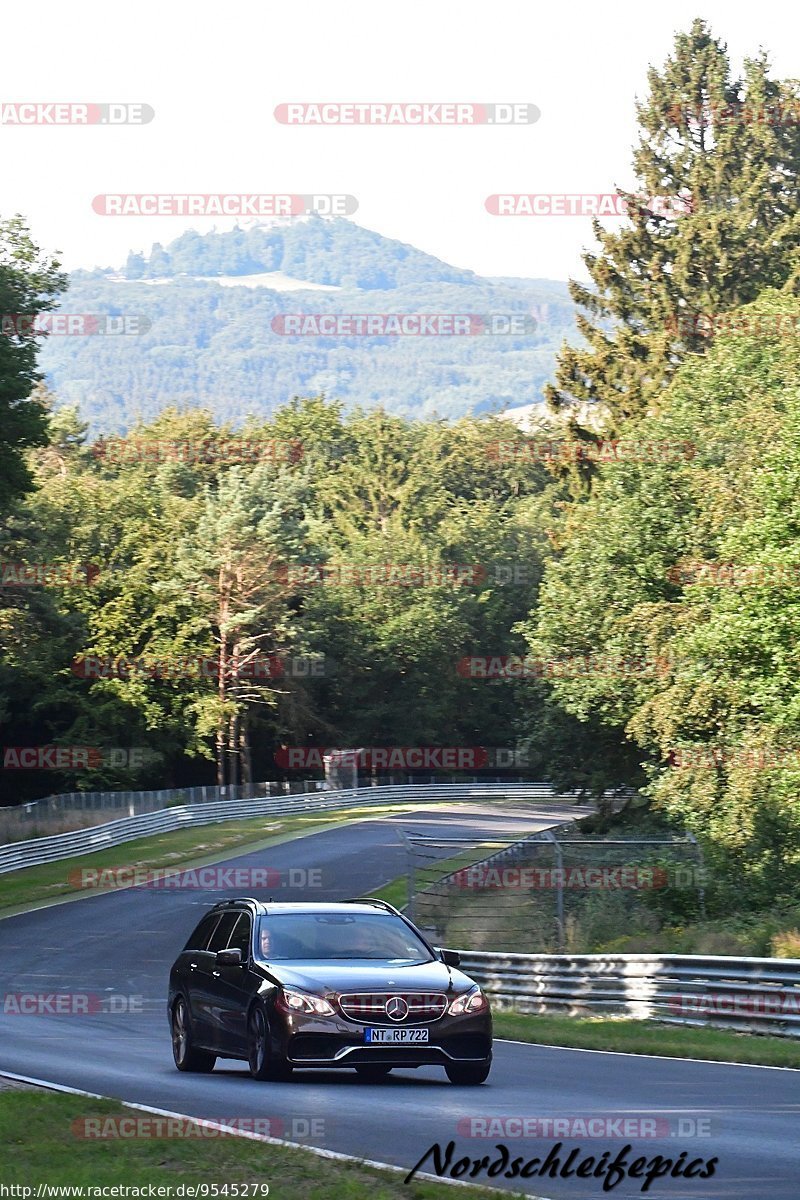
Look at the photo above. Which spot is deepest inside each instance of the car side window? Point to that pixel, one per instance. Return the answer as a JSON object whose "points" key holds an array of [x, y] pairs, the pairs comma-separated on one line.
{"points": [[200, 938], [223, 931], [240, 938]]}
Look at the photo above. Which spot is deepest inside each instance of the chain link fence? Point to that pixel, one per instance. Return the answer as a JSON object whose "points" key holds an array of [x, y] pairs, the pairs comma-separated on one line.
{"points": [[550, 892]]}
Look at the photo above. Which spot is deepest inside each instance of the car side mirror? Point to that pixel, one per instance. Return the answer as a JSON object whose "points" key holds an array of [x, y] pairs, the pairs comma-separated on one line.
{"points": [[229, 958], [450, 958]]}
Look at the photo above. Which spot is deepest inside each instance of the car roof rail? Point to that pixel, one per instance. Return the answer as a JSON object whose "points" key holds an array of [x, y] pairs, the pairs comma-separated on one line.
{"points": [[384, 904]]}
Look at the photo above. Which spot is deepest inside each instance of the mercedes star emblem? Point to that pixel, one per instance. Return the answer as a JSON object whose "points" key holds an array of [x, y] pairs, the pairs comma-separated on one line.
{"points": [[396, 1008]]}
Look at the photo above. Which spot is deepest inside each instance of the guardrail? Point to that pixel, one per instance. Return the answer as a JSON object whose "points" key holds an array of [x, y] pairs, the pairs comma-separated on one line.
{"points": [[751, 995], [16, 855], [134, 802]]}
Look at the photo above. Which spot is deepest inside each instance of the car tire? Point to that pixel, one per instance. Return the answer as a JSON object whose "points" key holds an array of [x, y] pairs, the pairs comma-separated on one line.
{"points": [[186, 1055], [372, 1072], [262, 1063], [468, 1074]]}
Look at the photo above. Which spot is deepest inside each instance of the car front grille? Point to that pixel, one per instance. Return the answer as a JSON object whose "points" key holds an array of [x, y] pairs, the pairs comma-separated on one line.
{"points": [[374, 1008]]}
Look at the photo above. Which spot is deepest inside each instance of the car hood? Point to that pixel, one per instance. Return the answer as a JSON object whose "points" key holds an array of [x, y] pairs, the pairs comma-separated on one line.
{"points": [[362, 975]]}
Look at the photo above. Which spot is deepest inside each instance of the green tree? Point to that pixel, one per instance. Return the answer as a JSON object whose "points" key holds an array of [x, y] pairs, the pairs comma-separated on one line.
{"points": [[703, 147], [230, 585], [29, 285], [684, 573]]}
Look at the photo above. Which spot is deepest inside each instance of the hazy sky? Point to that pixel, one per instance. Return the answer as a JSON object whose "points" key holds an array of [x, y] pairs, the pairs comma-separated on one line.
{"points": [[214, 73]]}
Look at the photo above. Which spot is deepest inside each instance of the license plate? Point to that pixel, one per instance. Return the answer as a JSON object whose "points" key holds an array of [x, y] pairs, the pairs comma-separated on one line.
{"points": [[396, 1035]]}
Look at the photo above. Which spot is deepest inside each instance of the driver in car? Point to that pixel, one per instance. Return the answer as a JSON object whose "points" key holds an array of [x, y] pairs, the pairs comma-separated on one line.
{"points": [[362, 944]]}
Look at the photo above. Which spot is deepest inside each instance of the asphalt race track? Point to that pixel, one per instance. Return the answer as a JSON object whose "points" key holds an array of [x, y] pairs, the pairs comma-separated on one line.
{"points": [[123, 943]]}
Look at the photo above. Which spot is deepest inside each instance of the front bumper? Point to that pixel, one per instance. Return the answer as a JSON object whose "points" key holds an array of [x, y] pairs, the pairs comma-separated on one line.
{"points": [[312, 1041]]}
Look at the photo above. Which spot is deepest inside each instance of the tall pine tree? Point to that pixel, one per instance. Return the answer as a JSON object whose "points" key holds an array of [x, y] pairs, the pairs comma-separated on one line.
{"points": [[726, 153]]}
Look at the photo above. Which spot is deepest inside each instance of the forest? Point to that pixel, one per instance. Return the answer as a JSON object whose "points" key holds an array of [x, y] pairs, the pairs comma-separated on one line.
{"points": [[637, 564]]}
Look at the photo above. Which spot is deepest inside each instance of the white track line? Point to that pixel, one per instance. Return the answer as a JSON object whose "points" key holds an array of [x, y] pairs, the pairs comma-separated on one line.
{"points": [[260, 1137], [712, 1062]]}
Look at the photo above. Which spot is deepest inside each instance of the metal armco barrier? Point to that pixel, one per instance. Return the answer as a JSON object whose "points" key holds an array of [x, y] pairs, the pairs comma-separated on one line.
{"points": [[16, 855], [752, 995], [131, 803]]}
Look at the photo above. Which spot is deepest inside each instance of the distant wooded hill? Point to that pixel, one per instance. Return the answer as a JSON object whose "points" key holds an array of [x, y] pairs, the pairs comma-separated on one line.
{"points": [[211, 298]]}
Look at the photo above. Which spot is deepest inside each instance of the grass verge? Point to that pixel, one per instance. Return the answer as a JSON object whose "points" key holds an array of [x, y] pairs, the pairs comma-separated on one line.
{"points": [[180, 849], [36, 1131], [643, 1037]]}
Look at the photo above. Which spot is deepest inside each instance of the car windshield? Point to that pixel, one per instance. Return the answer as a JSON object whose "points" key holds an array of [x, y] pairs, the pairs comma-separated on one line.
{"points": [[331, 935]]}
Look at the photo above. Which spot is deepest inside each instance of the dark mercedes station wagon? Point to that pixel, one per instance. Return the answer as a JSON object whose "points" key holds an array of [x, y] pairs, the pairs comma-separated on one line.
{"points": [[353, 984]]}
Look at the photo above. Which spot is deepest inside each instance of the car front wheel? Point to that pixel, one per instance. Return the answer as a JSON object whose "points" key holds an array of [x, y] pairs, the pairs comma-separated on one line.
{"points": [[468, 1074], [262, 1064], [187, 1056]]}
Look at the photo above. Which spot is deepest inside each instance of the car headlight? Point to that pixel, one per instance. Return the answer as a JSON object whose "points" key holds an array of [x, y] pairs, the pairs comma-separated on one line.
{"points": [[470, 1002], [302, 1002]]}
